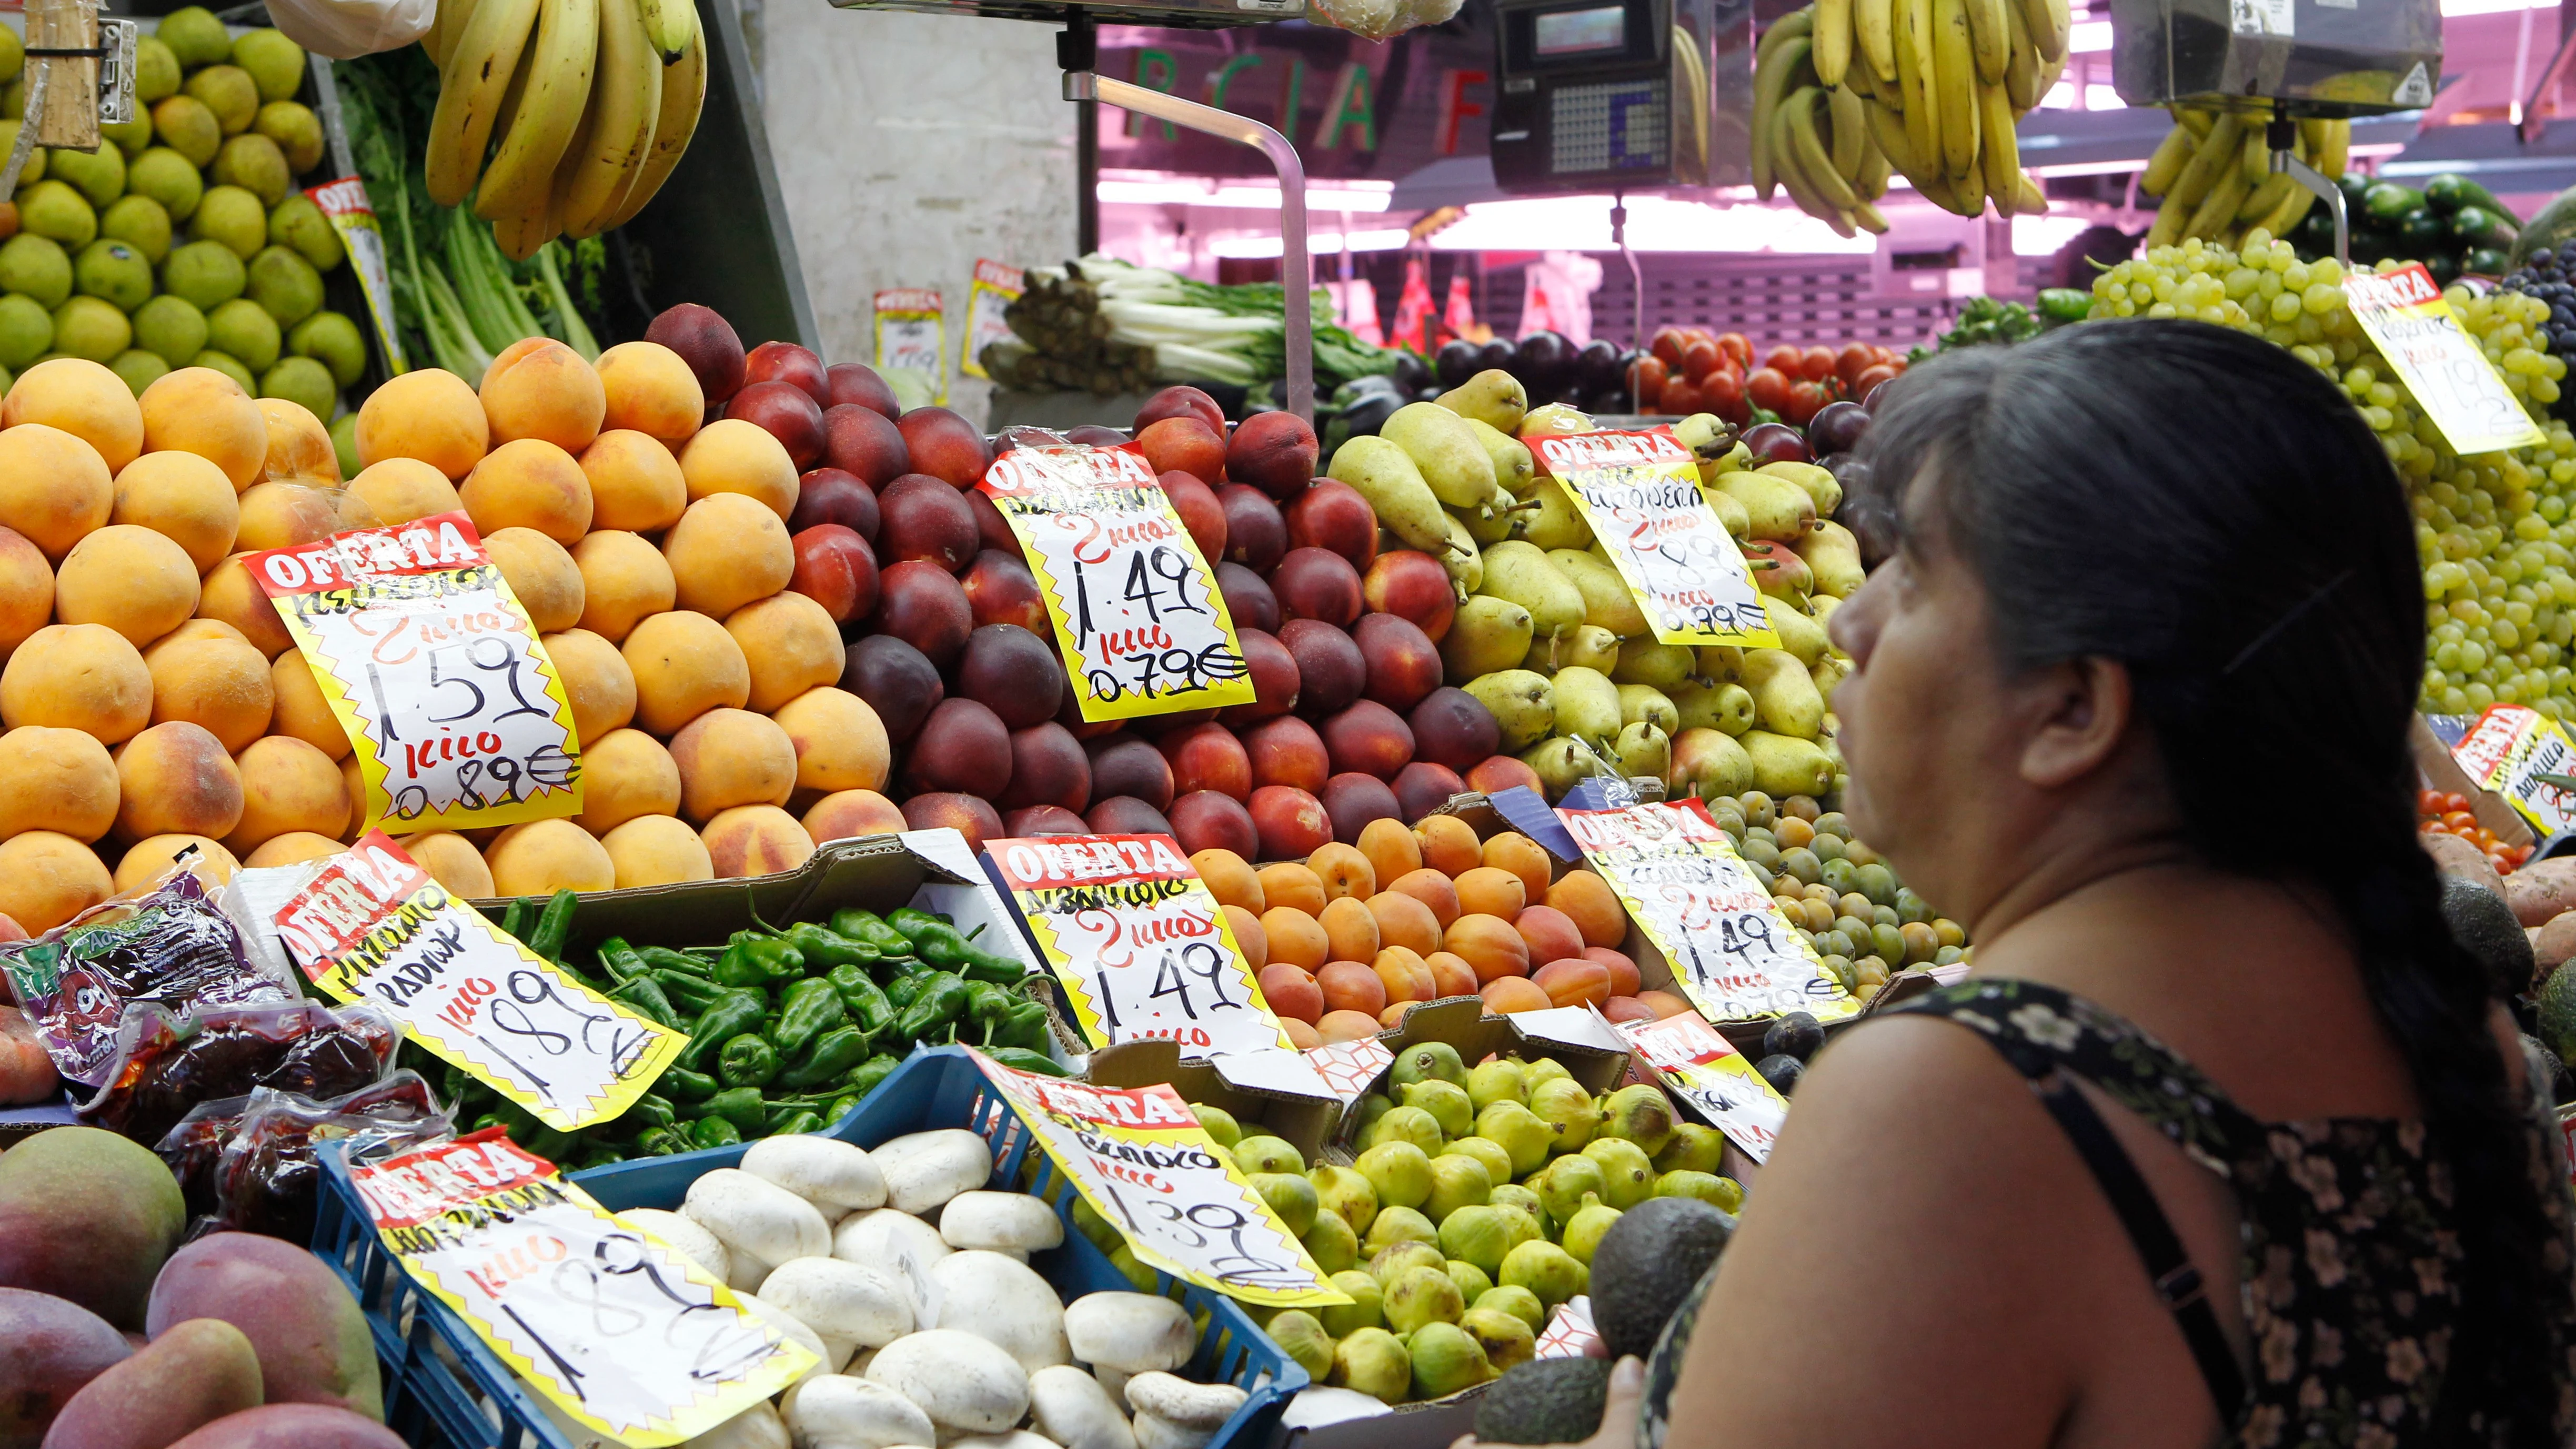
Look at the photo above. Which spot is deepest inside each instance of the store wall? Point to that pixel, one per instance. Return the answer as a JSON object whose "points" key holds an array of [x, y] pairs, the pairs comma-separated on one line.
{"points": [[907, 147]]}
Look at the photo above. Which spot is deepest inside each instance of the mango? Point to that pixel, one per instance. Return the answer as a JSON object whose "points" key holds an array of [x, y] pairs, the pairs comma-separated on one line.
{"points": [[1775, 508], [311, 1338], [88, 1216], [50, 1349], [193, 1374]]}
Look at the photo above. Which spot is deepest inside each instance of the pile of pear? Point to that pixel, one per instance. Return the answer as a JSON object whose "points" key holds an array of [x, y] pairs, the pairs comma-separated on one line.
{"points": [[1548, 635], [1469, 1214]]}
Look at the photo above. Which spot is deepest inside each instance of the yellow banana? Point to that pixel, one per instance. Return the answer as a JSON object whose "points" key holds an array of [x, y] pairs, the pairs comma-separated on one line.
{"points": [[1784, 164], [1874, 31], [2217, 210], [2000, 150], [625, 99], [441, 39], [2021, 64], [2194, 120], [2050, 71], [1859, 80], [2256, 159], [2049, 25], [1954, 75], [2165, 166], [1851, 133], [1772, 80], [1991, 36], [2265, 197], [1797, 23], [1914, 75], [472, 88], [1868, 219], [2202, 170], [1969, 192], [684, 94], [2031, 198], [1873, 170], [556, 89], [1814, 165], [2336, 153], [2169, 221], [2292, 210], [668, 25], [519, 234], [1833, 40]]}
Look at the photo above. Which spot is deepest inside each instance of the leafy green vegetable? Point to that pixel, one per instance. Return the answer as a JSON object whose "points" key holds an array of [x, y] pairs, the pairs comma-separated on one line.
{"points": [[1985, 320]]}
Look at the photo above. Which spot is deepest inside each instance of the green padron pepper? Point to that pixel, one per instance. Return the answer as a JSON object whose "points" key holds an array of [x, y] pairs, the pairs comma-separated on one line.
{"points": [[862, 1000], [619, 962], [902, 991], [940, 944], [806, 1120], [599, 1154], [986, 1007], [864, 1077], [651, 1110], [742, 1106], [747, 1061], [713, 1132], [1023, 1026], [644, 995], [663, 1141], [728, 1017], [834, 1052], [756, 958], [514, 920], [687, 1086], [867, 926], [939, 1003], [553, 925], [842, 1106], [687, 993], [663, 958], [1025, 1060], [822, 947], [806, 1010]]}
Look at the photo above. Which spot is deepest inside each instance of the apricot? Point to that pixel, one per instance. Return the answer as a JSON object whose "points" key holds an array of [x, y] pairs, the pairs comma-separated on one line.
{"points": [[1228, 877], [147, 861], [287, 785], [1350, 932], [1291, 993], [426, 414], [839, 742], [1293, 886], [1340, 1026], [596, 680], [207, 674], [1351, 986], [625, 579], [845, 814], [546, 856], [1505, 995], [26, 590], [1665, 1004], [293, 848], [732, 455], [529, 483], [646, 387], [1523, 857], [547, 583], [756, 840], [399, 490], [1437, 893], [1249, 939], [684, 664], [1404, 921], [54, 487], [128, 578], [1292, 936], [726, 551], [202, 411], [624, 774], [537, 388], [1488, 945], [652, 850], [1302, 1037], [1489, 890], [83, 399], [452, 861], [1343, 871], [730, 757], [282, 515], [635, 483], [1548, 934], [298, 707], [1449, 844], [1573, 981], [229, 594], [299, 447], [1404, 975], [1587, 900], [1450, 974], [790, 644], [85, 677], [56, 779], [1391, 849]]}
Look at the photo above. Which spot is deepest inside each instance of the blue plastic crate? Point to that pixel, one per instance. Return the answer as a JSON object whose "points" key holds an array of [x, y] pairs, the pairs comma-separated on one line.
{"points": [[478, 1404]]}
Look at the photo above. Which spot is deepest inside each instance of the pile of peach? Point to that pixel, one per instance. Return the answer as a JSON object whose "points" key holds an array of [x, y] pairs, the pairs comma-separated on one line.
{"points": [[1350, 940]]}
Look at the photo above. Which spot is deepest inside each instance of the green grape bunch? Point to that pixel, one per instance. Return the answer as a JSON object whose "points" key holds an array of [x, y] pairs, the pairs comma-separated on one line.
{"points": [[2492, 529]]}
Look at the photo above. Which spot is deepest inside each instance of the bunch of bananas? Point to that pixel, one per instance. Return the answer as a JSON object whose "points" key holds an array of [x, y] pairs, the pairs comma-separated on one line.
{"points": [[584, 107], [1929, 89], [2215, 175]]}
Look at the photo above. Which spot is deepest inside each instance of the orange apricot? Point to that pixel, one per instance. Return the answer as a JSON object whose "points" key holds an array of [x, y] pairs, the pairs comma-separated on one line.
{"points": [[1292, 936], [1292, 886], [1405, 975], [1450, 974], [1491, 891], [1390, 848], [1350, 986], [1587, 900], [1512, 993], [1404, 921], [1349, 929], [1523, 857], [1449, 844], [1436, 892], [1342, 1026], [1489, 946], [1229, 878], [1343, 871], [1249, 938]]}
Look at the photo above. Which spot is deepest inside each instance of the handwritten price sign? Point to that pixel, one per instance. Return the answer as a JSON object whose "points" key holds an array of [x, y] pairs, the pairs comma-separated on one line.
{"points": [[1642, 495], [1736, 957], [372, 924], [2514, 750], [2443, 366], [1135, 604], [1141, 946], [1696, 1062], [429, 662], [622, 1333], [1146, 1165]]}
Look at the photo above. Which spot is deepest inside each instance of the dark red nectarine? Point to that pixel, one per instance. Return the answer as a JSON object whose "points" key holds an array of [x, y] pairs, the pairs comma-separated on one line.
{"points": [[866, 443], [962, 746], [1423, 787], [1332, 515], [923, 605], [1369, 738], [896, 680], [922, 518], [968, 815], [1180, 401], [1330, 671], [1200, 513], [1413, 586], [1274, 677], [1255, 534], [1290, 822], [1274, 452], [1403, 665], [836, 569], [1012, 671], [1248, 601], [945, 446], [857, 383], [787, 362], [1048, 767], [1314, 583], [706, 342], [834, 495], [786, 412], [1207, 757], [1184, 445], [1001, 590], [1206, 820], [1353, 800], [1453, 728], [1126, 815], [1130, 766], [1287, 751]]}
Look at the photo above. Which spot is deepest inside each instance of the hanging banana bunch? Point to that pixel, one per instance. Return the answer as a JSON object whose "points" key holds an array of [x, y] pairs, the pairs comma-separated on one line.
{"points": [[2215, 175], [561, 117], [1846, 92]]}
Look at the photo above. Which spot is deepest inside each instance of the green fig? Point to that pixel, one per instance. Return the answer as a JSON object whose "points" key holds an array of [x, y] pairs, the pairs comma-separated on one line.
{"points": [[1398, 1172], [1521, 1199], [1567, 1182], [1583, 1231], [1332, 1244], [1568, 1112], [1546, 1270], [1406, 1124], [1498, 1163], [1398, 1225], [1372, 1362], [1456, 1182], [1496, 1081], [1692, 1148], [1640, 1113], [1722, 1193], [1217, 1123], [1545, 1069], [1302, 1337], [1484, 1235], [1506, 1340], [1446, 1358], [1418, 1296], [1627, 1176], [1088, 1222], [1341, 1190], [1473, 1282], [1514, 1300], [1365, 1310], [1372, 1107], [1267, 1154], [1394, 1260], [1291, 1196], [1518, 1132], [1428, 1060], [1447, 1102]]}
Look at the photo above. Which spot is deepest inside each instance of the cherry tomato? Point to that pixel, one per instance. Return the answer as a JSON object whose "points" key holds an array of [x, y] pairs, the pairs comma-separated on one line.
{"points": [[1668, 345], [1851, 362], [1651, 372], [1700, 359], [1871, 377], [1785, 360], [1734, 345], [2459, 820], [1806, 399], [1725, 385], [1768, 387], [1680, 398], [2428, 802], [1816, 363], [2454, 801]]}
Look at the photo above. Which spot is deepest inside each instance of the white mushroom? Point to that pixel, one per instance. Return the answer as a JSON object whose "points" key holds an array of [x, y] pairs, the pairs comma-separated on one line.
{"points": [[849, 1306], [925, 1169], [959, 1380], [1131, 1332], [1073, 1409], [833, 1175], [1153, 1433], [1001, 1222], [793, 1330], [884, 1239], [833, 1411], [756, 1219], [1002, 1300], [1177, 1401], [1016, 1439], [683, 1236], [757, 1427], [1113, 1382]]}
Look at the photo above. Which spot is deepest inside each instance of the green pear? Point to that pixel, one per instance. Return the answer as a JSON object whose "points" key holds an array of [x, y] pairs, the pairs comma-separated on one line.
{"points": [[1785, 700], [1587, 645], [1696, 706], [1385, 475], [1492, 397], [1643, 661], [1799, 633], [1834, 556], [1645, 704], [1718, 663], [1522, 703], [1709, 764], [1607, 599], [1783, 765], [1521, 572], [1514, 468], [1562, 763], [1450, 458], [1777, 509], [1587, 704], [1642, 750], [1557, 523], [1486, 635], [1818, 482]]}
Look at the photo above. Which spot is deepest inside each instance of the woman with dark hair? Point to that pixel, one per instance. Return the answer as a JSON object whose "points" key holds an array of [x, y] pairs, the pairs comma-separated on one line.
{"points": [[2223, 1140]]}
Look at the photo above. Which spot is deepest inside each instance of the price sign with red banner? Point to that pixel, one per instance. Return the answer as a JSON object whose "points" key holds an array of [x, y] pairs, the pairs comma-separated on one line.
{"points": [[2446, 370], [1699, 1064], [2523, 755], [1642, 494]]}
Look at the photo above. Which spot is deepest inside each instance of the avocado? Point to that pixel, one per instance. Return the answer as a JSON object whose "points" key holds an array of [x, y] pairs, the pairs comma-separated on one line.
{"points": [[1646, 1264], [2486, 928], [1782, 1071], [1795, 1034], [1545, 1401], [2555, 1010]]}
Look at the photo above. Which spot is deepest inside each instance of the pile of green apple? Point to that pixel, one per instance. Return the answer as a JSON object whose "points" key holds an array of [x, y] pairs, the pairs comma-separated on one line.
{"points": [[182, 241], [1471, 1212]]}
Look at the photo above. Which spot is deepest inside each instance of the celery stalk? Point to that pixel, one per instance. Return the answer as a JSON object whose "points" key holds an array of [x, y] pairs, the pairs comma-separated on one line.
{"points": [[574, 332]]}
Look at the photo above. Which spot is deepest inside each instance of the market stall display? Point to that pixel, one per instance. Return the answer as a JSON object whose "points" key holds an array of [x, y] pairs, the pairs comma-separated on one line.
{"points": [[2215, 176]]}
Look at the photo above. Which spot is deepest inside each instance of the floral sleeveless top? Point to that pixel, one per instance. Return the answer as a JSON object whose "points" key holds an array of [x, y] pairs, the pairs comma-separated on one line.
{"points": [[2348, 1262]]}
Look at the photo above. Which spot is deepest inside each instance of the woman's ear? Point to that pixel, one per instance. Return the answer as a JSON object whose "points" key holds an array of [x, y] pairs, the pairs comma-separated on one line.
{"points": [[2079, 712]]}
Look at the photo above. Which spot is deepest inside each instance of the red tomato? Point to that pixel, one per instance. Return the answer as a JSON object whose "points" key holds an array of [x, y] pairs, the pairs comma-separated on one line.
{"points": [[1680, 398], [1738, 412], [1651, 373], [1806, 399], [1734, 345], [1784, 360], [1724, 386], [1700, 359], [1816, 363], [1851, 362], [1668, 345], [1768, 387], [1871, 377]]}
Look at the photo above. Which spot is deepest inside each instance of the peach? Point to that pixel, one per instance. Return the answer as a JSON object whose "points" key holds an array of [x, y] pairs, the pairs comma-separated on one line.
{"points": [[354, 781], [1508, 994], [1624, 979], [599, 681], [202, 411], [706, 342], [845, 814], [1423, 787], [83, 399], [546, 856], [1351, 986], [46, 878], [1626, 1008], [1665, 1004], [1587, 900], [726, 551], [147, 861], [1404, 921], [838, 742], [1204, 818], [1330, 672], [529, 483], [54, 488], [1412, 586], [969, 815], [544, 578], [1292, 885], [1486, 890], [1405, 975], [837, 569], [1548, 933], [185, 499], [282, 515], [56, 779], [1391, 850], [1291, 993], [286, 785], [229, 595], [1286, 752], [1498, 773], [945, 446], [452, 861], [1290, 935], [1342, 871], [923, 605], [1229, 878], [647, 388], [652, 850], [790, 645], [1274, 452], [1332, 516], [1368, 738], [1350, 929], [1249, 939], [26, 590], [1048, 767], [1208, 757], [1573, 981], [730, 455], [539, 388], [1523, 857], [624, 579], [1184, 445], [427, 414], [299, 446], [216, 680], [293, 848], [1314, 583], [635, 482], [1450, 974], [865, 444], [128, 578], [1488, 945], [1288, 820], [963, 747], [624, 774], [1438, 894], [1449, 844], [77, 676], [750, 840], [399, 490]]}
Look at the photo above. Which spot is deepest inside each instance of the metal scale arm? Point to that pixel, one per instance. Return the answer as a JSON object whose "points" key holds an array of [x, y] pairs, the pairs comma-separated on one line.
{"points": [[2281, 135]]}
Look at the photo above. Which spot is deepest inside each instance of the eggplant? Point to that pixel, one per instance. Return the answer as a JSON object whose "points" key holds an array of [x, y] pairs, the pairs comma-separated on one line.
{"points": [[1596, 366], [1459, 360], [1546, 361], [1369, 413], [1411, 373], [1494, 355]]}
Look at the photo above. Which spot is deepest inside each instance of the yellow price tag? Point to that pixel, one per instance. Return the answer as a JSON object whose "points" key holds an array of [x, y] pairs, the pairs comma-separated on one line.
{"points": [[2522, 754], [2446, 370], [1642, 494]]}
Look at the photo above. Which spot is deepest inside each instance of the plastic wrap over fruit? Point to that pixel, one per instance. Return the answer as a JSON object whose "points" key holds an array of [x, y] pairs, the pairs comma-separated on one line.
{"points": [[1380, 19], [254, 1163], [347, 29]]}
